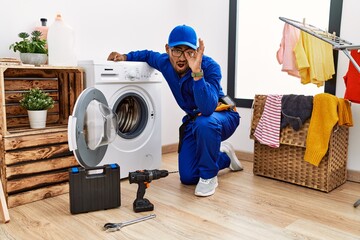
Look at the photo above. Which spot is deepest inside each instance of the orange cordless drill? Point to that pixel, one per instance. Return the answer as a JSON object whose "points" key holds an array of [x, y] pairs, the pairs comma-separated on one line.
{"points": [[143, 179]]}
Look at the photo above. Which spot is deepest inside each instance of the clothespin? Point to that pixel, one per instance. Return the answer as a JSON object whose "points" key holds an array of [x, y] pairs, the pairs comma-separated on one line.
{"points": [[304, 21], [327, 32]]}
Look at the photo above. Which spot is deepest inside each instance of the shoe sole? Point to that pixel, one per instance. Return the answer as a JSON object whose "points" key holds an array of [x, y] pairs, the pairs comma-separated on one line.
{"points": [[200, 194], [233, 156]]}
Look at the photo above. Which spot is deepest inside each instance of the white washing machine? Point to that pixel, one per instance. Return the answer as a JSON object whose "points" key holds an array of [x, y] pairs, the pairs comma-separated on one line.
{"points": [[117, 118]]}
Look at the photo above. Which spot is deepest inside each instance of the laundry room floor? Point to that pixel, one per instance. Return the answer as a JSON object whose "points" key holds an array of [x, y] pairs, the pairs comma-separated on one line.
{"points": [[244, 207]]}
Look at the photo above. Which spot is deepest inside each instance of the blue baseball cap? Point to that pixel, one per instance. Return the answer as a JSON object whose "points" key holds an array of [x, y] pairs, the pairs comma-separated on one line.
{"points": [[183, 35]]}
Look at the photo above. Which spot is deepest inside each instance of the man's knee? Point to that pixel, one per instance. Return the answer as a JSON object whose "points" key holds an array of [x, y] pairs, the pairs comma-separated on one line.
{"points": [[206, 124], [188, 179]]}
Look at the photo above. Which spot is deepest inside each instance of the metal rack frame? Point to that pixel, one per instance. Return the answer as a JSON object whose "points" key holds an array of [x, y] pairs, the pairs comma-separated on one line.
{"points": [[337, 42]]}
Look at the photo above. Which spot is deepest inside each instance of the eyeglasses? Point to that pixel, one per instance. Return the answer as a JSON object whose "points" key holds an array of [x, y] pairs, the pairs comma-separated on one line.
{"points": [[177, 52]]}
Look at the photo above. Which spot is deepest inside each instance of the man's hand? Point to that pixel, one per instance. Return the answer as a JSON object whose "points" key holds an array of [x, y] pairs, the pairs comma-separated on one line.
{"points": [[195, 61], [116, 57]]}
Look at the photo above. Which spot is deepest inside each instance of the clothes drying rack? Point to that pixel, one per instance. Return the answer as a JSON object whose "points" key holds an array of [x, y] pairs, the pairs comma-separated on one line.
{"points": [[331, 38]]}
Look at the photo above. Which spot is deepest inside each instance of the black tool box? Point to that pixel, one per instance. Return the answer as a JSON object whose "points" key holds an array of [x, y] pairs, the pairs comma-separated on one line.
{"points": [[93, 189]]}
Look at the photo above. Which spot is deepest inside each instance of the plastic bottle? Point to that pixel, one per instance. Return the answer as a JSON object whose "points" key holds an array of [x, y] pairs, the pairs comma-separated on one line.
{"points": [[61, 44], [43, 28]]}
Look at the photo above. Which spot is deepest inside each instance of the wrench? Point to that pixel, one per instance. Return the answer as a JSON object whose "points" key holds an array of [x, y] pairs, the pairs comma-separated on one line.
{"points": [[112, 227]]}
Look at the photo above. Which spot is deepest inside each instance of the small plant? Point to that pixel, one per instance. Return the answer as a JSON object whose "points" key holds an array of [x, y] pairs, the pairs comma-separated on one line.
{"points": [[33, 45], [36, 99]]}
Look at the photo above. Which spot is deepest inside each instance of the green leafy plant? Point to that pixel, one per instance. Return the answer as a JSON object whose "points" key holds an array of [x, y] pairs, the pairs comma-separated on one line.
{"points": [[34, 44], [36, 99]]}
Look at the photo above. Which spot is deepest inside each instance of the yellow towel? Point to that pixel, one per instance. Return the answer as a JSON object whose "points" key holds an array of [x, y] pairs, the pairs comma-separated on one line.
{"points": [[323, 118]]}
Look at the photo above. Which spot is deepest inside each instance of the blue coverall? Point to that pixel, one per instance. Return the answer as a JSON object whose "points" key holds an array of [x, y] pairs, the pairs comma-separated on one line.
{"points": [[199, 155]]}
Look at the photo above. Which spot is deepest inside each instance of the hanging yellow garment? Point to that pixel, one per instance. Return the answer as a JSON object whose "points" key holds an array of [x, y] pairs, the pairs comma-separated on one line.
{"points": [[314, 59]]}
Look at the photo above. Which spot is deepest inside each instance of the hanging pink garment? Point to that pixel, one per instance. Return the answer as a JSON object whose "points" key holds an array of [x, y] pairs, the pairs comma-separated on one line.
{"points": [[285, 55]]}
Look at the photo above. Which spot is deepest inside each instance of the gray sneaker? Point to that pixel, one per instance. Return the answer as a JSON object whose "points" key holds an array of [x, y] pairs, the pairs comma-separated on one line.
{"points": [[235, 164], [206, 187]]}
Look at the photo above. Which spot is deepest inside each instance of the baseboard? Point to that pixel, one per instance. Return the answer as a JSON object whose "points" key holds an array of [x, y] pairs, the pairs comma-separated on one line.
{"points": [[354, 176], [246, 156], [169, 148]]}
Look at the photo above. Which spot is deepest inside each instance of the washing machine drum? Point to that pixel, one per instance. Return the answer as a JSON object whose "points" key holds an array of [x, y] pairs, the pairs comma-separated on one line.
{"points": [[131, 109], [91, 128]]}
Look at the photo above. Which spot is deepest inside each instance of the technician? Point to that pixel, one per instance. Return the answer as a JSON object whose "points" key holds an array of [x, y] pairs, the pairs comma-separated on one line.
{"points": [[194, 80]]}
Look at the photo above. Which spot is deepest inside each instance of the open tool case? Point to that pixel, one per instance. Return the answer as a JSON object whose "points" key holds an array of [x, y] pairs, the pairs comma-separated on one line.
{"points": [[93, 189]]}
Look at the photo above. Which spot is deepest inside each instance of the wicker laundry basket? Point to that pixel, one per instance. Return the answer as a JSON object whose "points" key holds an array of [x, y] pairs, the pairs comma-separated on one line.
{"points": [[287, 162]]}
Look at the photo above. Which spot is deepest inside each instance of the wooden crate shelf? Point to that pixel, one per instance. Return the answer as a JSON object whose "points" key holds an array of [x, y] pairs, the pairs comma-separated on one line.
{"points": [[34, 163]]}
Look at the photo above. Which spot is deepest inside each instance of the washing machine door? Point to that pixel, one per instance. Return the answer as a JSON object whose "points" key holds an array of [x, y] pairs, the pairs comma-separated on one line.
{"points": [[91, 127]]}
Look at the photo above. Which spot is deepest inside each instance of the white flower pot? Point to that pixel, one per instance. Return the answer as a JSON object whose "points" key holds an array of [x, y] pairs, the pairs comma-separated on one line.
{"points": [[37, 118], [34, 58]]}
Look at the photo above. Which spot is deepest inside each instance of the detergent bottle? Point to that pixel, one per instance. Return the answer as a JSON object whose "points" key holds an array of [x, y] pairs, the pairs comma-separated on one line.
{"points": [[43, 28], [61, 44]]}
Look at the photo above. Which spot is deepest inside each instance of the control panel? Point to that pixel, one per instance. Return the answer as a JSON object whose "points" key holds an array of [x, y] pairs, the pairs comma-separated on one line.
{"points": [[119, 72]]}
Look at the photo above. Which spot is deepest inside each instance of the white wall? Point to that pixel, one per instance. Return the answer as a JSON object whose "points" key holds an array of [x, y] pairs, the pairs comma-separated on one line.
{"points": [[108, 25], [104, 26], [350, 25]]}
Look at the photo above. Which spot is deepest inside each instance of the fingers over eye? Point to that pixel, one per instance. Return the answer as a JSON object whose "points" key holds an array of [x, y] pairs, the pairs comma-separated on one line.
{"points": [[190, 53], [201, 45]]}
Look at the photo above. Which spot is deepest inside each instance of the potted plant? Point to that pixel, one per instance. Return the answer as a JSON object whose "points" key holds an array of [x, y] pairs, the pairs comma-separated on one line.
{"points": [[37, 102], [32, 49]]}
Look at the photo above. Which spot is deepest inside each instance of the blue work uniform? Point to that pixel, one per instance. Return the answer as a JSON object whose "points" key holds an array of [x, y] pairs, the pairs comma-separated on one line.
{"points": [[199, 155]]}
